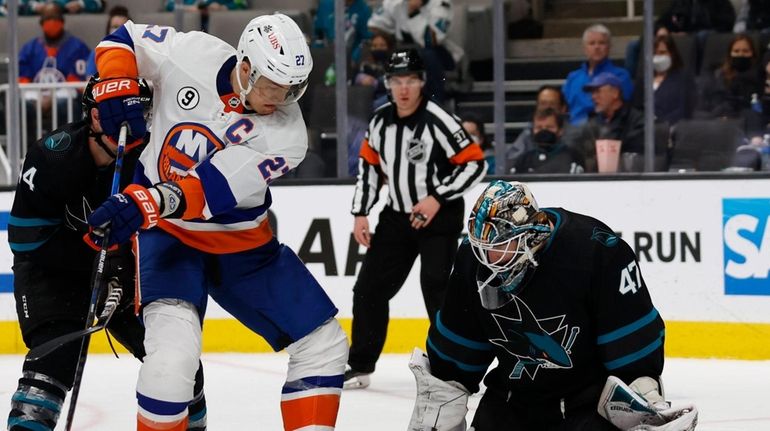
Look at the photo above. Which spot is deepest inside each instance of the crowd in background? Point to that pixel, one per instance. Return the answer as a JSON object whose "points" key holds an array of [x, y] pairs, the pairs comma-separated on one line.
{"points": [[600, 100]]}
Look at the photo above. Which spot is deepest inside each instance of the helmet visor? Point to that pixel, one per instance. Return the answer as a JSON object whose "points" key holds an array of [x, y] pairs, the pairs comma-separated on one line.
{"points": [[276, 94]]}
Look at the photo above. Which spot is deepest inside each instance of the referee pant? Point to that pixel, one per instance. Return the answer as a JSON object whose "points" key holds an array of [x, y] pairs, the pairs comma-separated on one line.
{"points": [[395, 245]]}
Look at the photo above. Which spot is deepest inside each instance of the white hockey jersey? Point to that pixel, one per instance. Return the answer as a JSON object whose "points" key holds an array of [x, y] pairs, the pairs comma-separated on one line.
{"points": [[200, 129], [436, 16]]}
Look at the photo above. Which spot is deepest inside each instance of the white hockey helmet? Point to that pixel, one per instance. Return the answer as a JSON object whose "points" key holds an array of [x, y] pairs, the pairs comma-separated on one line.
{"points": [[276, 49]]}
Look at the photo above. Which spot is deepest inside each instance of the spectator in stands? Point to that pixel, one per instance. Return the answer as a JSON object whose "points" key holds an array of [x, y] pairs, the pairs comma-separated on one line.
{"points": [[56, 56], [754, 15], [612, 119], [425, 24], [371, 70], [117, 17], [634, 48], [693, 16], [550, 155], [548, 96], [35, 7], [596, 46], [208, 5], [673, 87], [357, 14], [735, 86], [473, 124]]}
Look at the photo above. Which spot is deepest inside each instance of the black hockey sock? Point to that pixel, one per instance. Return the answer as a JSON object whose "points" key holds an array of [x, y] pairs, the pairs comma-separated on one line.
{"points": [[37, 403], [197, 407]]}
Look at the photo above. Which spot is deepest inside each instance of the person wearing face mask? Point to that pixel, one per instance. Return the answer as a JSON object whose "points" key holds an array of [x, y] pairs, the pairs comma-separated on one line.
{"points": [[672, 84], [118, 16], [371, 71], [551, 155], [473, 124], [55, 56], [728, 93]]}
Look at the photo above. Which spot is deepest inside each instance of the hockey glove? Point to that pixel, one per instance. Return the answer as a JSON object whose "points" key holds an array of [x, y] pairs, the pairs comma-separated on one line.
{"points": [[440, 405], [118, 102], [641, 407], [119, 266], [136, 208]]}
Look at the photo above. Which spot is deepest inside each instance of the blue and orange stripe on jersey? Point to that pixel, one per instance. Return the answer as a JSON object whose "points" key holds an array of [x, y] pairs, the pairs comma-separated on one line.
{"points": [[115, 55]]}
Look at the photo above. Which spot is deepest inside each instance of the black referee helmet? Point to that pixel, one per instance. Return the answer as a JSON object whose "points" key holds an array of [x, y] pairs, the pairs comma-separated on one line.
{"points": [[405, 62]]}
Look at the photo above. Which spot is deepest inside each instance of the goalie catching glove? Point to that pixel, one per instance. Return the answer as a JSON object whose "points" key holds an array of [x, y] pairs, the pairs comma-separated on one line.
{"points": [[440, 405], [641, 407], [136, 208]]}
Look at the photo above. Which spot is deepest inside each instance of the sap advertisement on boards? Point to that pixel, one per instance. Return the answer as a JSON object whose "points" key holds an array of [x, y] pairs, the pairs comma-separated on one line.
{"points": [[703, 245]]}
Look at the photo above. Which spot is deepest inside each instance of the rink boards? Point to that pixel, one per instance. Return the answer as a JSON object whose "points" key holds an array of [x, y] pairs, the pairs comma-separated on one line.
{"points": [[703, 246]]}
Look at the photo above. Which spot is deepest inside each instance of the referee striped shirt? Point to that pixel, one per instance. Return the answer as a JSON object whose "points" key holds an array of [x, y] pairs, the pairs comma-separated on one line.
{"points": [[426, 153]]}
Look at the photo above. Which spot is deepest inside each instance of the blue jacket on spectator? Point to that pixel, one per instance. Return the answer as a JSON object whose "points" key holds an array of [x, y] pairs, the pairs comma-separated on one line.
{"points": [[580, 102], [70, 59]]}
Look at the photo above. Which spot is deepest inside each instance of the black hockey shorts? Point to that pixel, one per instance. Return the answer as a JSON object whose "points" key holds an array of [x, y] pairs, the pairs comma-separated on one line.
{"points": [[577, 413], [47, 296]]}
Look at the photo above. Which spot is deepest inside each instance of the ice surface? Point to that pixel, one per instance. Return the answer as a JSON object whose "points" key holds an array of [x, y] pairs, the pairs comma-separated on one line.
{"points": [[243, 393]]}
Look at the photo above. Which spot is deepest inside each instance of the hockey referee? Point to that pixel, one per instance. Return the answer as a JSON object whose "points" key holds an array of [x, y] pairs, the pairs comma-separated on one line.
{"points": [[428, 161]]}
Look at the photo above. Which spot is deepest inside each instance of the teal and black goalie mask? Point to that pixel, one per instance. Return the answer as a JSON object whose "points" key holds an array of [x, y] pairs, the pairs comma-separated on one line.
{"points": [[506, 229]]}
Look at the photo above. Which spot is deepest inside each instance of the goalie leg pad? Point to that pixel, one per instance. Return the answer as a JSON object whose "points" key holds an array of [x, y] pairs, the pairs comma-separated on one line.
{"points": [[440, 405], [37, 402], [167, 377], [311, 395]]}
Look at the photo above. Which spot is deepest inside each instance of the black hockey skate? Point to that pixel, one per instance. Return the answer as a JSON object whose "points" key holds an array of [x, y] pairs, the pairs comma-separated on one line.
{"points": [[355, 379]]}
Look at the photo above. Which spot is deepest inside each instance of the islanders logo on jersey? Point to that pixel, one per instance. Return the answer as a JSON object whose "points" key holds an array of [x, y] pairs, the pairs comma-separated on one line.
{"points": [[535, 343], [186, 144]]}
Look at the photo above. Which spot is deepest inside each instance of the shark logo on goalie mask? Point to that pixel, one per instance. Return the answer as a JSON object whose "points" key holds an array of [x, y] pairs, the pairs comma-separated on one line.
{"points": [[536, 343]]}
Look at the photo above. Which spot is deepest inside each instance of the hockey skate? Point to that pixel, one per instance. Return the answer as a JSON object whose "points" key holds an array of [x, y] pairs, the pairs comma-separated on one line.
{"points": [[355, 379]]}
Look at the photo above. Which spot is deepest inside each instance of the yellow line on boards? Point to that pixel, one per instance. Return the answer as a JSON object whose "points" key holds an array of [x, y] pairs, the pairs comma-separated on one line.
{"points": [[719, 340]]}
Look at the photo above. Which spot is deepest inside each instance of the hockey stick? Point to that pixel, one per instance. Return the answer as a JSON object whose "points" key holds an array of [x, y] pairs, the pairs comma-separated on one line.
{"points": [[113, 299], [97, 288]]}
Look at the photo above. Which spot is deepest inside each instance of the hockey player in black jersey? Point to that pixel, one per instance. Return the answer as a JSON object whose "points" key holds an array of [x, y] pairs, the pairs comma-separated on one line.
{"points": [[559, 300], [65, 175]]}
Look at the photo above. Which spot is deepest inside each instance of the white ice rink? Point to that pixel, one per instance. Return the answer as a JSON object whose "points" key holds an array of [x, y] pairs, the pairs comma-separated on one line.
{"points": [[243, 392]]}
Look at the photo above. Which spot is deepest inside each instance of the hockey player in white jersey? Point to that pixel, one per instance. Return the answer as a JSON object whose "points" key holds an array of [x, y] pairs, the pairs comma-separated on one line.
{"points": [[225, 124]]}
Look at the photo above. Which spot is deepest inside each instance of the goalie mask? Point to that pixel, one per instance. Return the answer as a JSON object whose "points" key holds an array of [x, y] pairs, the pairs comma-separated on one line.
{"points": [[505, 229], [277, 51]]}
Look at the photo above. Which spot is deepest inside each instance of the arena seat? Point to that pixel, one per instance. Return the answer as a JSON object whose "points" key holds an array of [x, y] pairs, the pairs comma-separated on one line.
{"points": [[191, 20], [88, 27], [228, 25], [715, 50], [137, 7], [27, 27], [705, 145]]}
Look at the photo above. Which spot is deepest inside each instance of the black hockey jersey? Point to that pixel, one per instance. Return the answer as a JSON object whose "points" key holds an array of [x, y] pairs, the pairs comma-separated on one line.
{"points": [[58, 188], [584, 314]]}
